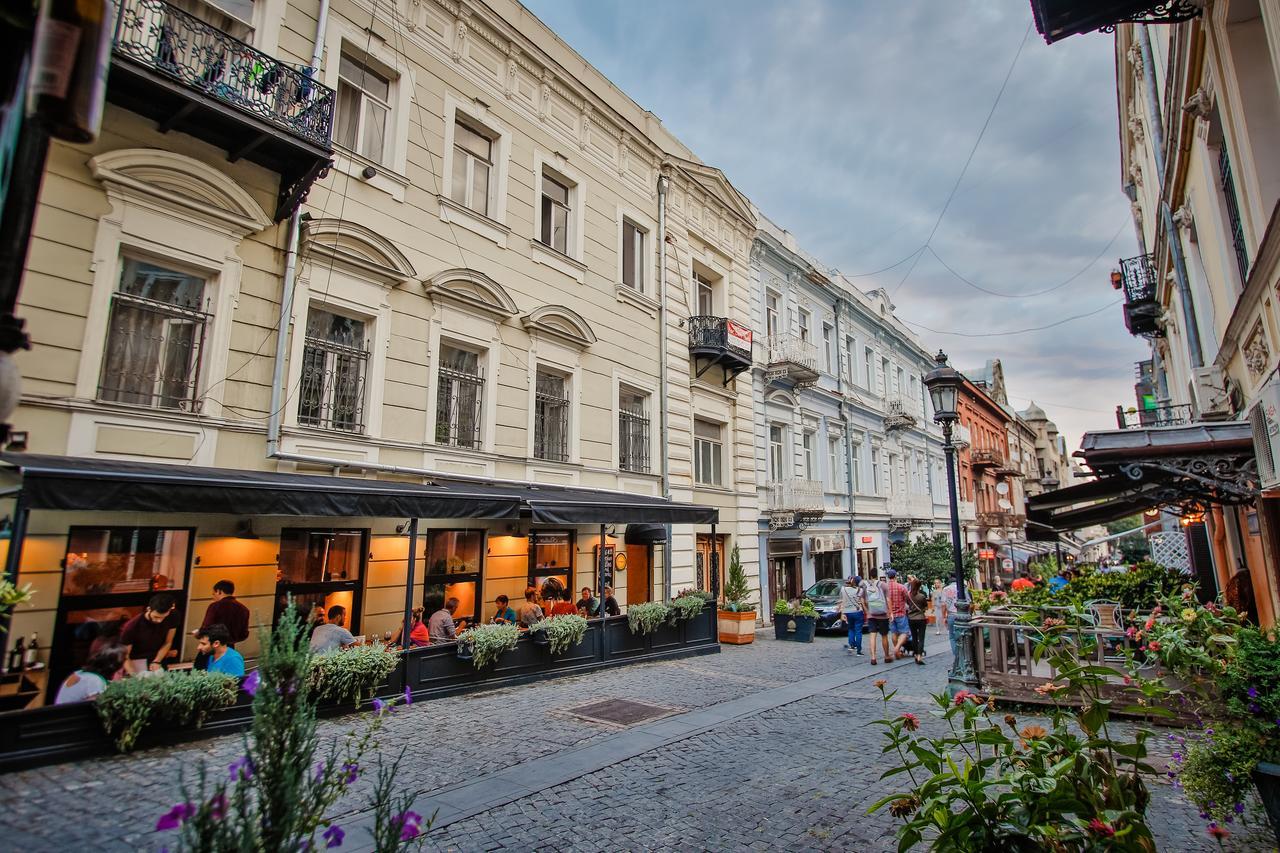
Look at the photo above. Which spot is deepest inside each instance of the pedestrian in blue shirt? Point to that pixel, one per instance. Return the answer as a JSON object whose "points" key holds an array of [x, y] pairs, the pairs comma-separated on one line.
{"points": [[215, 641]]}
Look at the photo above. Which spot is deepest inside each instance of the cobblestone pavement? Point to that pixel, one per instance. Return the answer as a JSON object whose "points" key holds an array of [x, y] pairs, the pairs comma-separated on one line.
{"points": [[798, 776]]}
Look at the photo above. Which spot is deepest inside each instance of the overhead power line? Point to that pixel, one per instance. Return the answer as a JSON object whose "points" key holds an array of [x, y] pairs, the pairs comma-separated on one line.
{"points": [[1013, 331]]}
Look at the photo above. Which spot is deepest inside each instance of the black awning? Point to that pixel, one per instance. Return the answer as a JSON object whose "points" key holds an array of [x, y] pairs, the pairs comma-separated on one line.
{"points": [[645, 534], [80, 483], [1095, 502], [1057, 19]]}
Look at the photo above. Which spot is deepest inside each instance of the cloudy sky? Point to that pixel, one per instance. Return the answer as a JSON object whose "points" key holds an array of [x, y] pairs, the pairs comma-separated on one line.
{"points": [[848, 122]]}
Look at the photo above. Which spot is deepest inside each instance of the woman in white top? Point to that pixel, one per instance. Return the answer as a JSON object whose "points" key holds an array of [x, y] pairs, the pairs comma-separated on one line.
{"points": [[939, 597], [91, 679], [853, 611]]}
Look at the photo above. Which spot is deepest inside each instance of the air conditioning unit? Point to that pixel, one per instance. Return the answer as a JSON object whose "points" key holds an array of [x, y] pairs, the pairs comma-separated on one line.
{"points": [[1264, 418], [1209, 390]]}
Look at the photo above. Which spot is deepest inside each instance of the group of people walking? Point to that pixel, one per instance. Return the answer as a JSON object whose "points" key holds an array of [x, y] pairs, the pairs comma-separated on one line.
{"points": [[896, 613]]}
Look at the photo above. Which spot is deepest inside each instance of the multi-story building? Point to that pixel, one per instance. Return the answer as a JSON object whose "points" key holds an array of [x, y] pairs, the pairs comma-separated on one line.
{"points": [[1052, 463], [849, 459], [510, 274]]}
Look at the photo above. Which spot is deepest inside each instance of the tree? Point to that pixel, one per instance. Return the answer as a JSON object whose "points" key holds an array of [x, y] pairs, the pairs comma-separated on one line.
{"points": [[1133, 549], [737, 593], [930, 559]]}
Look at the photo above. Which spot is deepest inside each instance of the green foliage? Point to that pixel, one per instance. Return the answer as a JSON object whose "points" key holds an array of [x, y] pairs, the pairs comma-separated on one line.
{"points": [[130, 706], [563, 631], [782, 608], [697, 593], [737, 593], [489, 642], [684, 608], [802, 607], [11, 595], [991, 784], [930, 559], [1141, 589], [352, 674], [1216, 770], [645, 618]]}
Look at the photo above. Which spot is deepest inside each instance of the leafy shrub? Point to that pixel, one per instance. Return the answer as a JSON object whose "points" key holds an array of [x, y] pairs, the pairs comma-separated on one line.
{"points": [[563, 631], [1214, 768], [697, 593], [351, 674], [489, 642], [930, 559], [802, 607], [782, 608], [737, 594], [1141, 589], [130, 706], [645, 618], [686, 607]]}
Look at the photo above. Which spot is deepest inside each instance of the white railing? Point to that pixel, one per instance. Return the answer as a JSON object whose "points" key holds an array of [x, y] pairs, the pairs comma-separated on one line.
{"points": [[960, 435], [797, 496], [910, 506], [788, 349]]}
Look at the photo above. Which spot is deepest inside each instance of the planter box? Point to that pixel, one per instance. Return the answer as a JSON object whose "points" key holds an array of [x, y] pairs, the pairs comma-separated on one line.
{"points": [[737, 628], [806, 627], [782, 627], [1267, 778]]}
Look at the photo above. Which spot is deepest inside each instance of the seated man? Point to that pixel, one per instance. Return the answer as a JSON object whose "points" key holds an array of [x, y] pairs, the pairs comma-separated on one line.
{"points": [[610, 603], [504, 615], [588, 605], [215, 641], [331, 636], [530, 611], [441, 626]]}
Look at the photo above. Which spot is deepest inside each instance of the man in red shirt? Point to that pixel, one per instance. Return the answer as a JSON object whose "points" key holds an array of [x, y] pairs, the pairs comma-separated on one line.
{"points": [[148, 637], [1023, 581], [895, 596], [224, 610]]}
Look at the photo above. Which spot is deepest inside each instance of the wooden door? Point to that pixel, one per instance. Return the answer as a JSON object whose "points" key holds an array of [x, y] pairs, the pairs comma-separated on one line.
{"points": [[639, 574]]}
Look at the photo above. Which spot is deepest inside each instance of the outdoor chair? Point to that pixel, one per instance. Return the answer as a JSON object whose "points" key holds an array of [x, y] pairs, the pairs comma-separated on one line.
{"points": [[1109, 621]]}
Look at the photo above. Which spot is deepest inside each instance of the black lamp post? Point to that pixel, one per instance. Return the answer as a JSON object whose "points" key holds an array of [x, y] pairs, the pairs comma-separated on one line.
{"points": [[944, 383]]}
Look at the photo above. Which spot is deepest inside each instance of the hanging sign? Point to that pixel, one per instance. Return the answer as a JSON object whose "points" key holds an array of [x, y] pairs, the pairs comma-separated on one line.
{"points": [[1006, 564], [867, 540], [986, 554], [738, 335]]}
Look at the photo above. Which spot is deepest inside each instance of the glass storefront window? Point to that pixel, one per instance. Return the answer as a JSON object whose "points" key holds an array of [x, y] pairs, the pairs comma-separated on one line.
{"points": [[119, 560], [455, 560], [320, 556], [551, 556]]}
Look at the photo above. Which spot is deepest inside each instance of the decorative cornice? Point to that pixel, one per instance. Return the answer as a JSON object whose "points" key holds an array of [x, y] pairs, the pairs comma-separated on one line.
{"points": [[560, 322], [472, 290]]}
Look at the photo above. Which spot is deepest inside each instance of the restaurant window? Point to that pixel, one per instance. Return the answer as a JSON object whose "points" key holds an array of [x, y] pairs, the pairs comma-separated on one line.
{"points": [[459, 397], [551, 416], [155, 338], [551, 556], [828, 565], [556, 198], [471, 179], [364, 98], [109, 575], [706, 295], [633, 255], [455, 568], [777, 452], [708, 450], [320, 568], [335, 360], [771, 314], [633, 431]]}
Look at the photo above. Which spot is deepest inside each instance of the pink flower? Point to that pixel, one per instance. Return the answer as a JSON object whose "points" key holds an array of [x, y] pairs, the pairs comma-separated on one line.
{"points": [[1154, 645], [1218, 832], [910, 722], [1097, 827], [961, 696], [176, 816]]}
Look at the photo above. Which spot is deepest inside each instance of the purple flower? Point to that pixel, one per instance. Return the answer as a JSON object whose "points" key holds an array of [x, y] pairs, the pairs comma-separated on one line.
{"points": [[333, 836], [1252, 692], [380, 706], [408, 695], [241, 768], [251, 683], [350, 773], [1254, 707], [218, 806], [409, 823], [1239, 808], [320, 768], [176, 816]]}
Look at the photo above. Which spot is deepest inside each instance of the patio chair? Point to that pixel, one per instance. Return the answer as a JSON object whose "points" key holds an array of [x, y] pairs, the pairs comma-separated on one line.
{"points": [[1109, 621]]}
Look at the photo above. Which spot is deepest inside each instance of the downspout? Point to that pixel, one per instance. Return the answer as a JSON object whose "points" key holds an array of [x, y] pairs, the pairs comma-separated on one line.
{"points": [[663, 425], [848, 442], [1166, 215]]}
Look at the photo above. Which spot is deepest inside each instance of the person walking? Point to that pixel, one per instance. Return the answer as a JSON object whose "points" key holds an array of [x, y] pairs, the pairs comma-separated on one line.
{"points": [[852, 610], [895, 594], [917, 617], [877, 617], [939, 596]]}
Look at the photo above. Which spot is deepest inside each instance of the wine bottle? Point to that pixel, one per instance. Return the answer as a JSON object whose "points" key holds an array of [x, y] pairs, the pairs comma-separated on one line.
{"points": [[33, 650], [17, 654], [70, 57]]}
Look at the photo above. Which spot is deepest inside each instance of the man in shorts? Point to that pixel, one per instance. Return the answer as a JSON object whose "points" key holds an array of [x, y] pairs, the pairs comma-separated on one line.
{"points": [[896, 596], [877, 616]]}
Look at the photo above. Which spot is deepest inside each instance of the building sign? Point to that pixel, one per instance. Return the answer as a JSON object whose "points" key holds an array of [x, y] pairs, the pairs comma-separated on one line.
{"points": [[986, 553], [1006, 564], [738, 335], [867, 540]]}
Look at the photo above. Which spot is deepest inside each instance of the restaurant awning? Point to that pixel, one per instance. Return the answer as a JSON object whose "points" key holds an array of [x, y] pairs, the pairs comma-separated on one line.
{"points": [[86, 483], [1057, 19]]}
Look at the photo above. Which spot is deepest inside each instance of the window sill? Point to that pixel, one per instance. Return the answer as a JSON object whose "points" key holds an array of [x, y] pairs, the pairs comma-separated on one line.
{"points": [[457, 214], [634, 297], [547, 256], [352, 164]]}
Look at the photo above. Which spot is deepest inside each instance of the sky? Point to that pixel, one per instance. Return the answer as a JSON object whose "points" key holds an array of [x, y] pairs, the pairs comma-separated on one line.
{"points": [[849, 122]]}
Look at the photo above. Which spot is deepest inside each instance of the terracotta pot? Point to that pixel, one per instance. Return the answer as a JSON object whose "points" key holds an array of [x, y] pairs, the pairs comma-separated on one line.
{"points": [[737, 628]]}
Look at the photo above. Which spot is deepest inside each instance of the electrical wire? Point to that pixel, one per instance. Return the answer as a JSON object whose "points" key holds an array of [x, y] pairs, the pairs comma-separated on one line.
{"points": [[1013, 331]]}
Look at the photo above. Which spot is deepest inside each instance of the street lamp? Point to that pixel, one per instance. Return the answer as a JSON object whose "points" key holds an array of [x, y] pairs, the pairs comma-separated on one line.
{"points": [[944, 383]]}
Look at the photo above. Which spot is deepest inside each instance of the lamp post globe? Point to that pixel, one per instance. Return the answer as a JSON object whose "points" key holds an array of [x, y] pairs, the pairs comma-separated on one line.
{"points": [[944, 383]]}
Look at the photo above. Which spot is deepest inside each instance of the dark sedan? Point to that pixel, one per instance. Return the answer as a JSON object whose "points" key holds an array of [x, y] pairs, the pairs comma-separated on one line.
{"points": [[825, 595]]}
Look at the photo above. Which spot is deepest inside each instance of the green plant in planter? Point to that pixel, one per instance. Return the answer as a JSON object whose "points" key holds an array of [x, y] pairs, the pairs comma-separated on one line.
{"points": [[805, 608], [563, 632], [684, 608], [782, 608], [737, 594], [352, 674], [489, 642], [130, 706], [11, 595], [645, 618], [697, 593]]}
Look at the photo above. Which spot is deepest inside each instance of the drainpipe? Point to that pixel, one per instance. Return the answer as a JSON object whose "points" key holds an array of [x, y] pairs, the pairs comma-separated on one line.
{"points": [[848, 442], [1166, 215], [663, 425]]}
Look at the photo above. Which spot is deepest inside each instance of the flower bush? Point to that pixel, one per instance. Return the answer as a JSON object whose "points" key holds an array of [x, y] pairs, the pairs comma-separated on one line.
{"points": [[684, 608], [130, 706], [645, 618], [1141, 589], [489, 642], [563, 631], [352, 674]]}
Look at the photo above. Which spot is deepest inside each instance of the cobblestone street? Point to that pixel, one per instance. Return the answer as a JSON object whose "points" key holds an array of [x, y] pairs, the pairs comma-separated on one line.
{"points": [[770, 748]]}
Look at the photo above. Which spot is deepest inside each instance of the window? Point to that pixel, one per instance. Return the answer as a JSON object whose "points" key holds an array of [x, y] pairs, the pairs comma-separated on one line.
{"points": [[363, 106], [633, 431], [551, 556], [551, 417], [892, 472], [155, 338], [828, 565], [706, 295], [875, 471], [321, 568], [455, 564], [869, 363], [913, 387], [884, 376], [776, 453], [810, 466], [804, 325], [1227, 186], [771, 314], [470, 181], [555, 214], [899, 383], [851, 359], [459, 396], [857, 467], [828, 347], [633, 257], [708, 450], [834, 468], [334, 361]]}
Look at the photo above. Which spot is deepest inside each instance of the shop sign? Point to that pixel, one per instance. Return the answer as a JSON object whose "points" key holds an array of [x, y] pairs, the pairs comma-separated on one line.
{"points": [[1006, 564], [867, 540], [738, 335], [986, 553]]}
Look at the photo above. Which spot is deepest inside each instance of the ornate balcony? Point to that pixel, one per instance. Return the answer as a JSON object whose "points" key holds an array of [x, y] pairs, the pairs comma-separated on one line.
{"points": [[986, 459], [793, 360], [960, 436], [1157, 416], [1006, 520], [795, 503], [907, 511], [187, 75], [1057, 19], [967, 510], [719, 341], [1137, 277], [899, 415]]}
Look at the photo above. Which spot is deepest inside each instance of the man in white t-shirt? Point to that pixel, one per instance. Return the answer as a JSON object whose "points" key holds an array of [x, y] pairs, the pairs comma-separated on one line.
{"points": [[331, 636]]}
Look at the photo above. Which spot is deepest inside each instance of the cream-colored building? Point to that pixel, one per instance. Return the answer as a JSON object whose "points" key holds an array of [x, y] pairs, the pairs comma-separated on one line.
{"points": [[511, 273]]}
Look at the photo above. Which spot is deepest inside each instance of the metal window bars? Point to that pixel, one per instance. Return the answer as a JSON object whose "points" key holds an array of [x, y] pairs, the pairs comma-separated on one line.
{"points": [[1228, 185], [460, 393], [633, 436], [153, 355], [550, 419], [331, 394]]}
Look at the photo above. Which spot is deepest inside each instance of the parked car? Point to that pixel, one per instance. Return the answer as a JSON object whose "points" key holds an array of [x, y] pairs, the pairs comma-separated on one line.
{"points": [[825, 595]]}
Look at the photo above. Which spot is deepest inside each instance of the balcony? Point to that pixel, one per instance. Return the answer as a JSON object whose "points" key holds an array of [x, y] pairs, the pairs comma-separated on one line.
{"points": [[1007, 520], [1156, 416], [967, 510], [187, 75], [960, 436], [719, 341], [907, 511], [795, 503], [899, 415], [986, 459], [1137, 277], [792, 359]]}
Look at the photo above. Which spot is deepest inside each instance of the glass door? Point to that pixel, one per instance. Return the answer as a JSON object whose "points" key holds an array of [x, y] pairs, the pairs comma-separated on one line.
{"points": [[321, 568]]}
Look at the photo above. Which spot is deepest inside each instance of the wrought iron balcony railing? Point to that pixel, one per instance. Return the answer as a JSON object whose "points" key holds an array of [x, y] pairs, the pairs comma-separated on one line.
{"points": [[1159, 416], [719, 340], [202, 57], [1001, 519]]}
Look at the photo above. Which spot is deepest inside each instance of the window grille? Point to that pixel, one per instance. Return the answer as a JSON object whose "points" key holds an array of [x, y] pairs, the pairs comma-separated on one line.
{"points": [[1228, 185], [155, 339], [633, 433], [460, 395], [334, 364], [551, 418]]}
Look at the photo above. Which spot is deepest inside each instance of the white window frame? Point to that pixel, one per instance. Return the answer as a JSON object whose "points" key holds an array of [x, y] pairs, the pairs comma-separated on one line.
{"points": [[828, 347], [648, 272], [570, 261], [492, 226], [326, 399], [834, 456], [869, 363], [488, 389], [803, 318], [366, 99], [646, 398], [876, 472], [641, 384], [808, 455], [856, 453], [851, 357], [553, 356], [713, 451], [776, 463], [772, 313]]}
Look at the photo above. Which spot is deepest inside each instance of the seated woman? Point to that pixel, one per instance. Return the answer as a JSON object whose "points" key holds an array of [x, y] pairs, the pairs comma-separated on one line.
{"points": [[504, 615], [91, 679], [418, 636], [565, 606]]}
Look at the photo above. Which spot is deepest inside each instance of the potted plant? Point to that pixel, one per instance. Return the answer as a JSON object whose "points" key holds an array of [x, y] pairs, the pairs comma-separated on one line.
{"points": [[805, 617], [782, 625], [486, 643], [559, 633], [737, 616], [645, 618], [351, 674]]}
